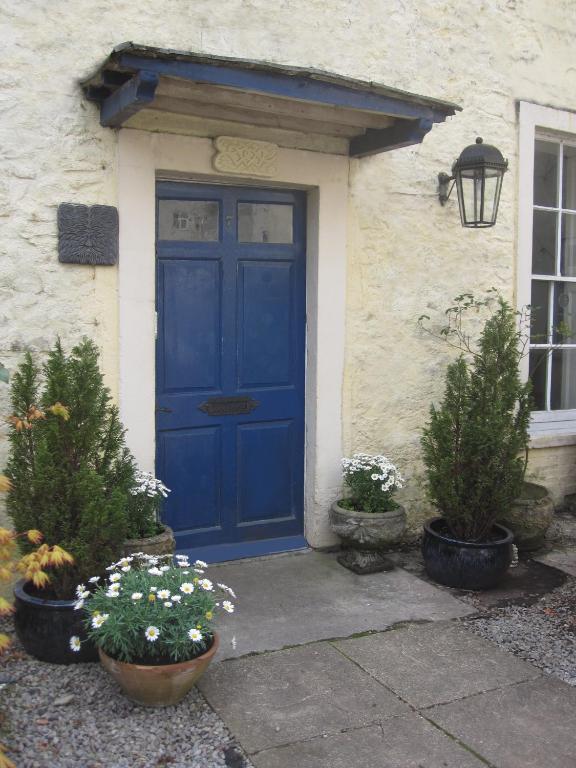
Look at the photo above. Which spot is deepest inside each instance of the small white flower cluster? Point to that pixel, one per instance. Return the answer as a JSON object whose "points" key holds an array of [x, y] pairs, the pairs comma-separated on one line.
{"points": [[149, 485], [381, 470]]}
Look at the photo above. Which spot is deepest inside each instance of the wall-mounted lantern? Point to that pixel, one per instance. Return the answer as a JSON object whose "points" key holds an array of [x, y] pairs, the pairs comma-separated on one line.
{"points": [[477, 175]]}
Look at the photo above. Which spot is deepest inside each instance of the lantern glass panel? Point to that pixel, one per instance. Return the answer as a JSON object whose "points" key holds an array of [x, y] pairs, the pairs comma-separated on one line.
{"points": [[478, 195]]}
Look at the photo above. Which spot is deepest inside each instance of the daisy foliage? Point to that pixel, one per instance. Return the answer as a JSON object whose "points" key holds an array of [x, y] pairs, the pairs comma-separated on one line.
{"points": [[372, 481], [152, 609]]}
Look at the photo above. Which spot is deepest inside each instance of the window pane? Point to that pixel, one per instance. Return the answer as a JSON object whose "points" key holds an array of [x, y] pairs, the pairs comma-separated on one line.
{"points": [[568, 245], [569, 178], [544, 243], [264, 223], [539, 302], [563, 388], [564, 313], [193, 220], [546, 173], [537, 370]]}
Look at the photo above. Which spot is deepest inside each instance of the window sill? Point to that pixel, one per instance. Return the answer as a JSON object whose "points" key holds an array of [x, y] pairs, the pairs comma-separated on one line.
{"points": [[552, 440]]}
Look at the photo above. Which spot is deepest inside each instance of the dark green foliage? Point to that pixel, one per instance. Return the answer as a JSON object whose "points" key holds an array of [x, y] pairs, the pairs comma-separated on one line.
{"points": [[143, 515], [70, 469], [476, 442]]}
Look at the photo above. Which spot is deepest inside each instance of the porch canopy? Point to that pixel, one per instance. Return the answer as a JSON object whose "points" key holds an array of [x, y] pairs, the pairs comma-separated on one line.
{"points": [[178, 92]]}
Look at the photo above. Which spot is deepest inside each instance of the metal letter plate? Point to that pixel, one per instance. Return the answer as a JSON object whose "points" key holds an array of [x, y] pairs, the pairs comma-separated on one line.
{"points": [[228, 406]]}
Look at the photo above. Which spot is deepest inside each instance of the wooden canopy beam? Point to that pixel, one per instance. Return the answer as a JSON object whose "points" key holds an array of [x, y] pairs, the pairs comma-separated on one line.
{"points": [[134, 95]]}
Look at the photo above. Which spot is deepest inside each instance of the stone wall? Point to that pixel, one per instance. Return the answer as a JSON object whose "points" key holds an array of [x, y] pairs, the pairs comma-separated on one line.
{"points": [[407, 255]]}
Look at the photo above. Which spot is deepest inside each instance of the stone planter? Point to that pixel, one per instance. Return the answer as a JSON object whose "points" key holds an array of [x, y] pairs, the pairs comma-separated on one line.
{"points": [[162, 544], [44, 627], [530, 517], [465, 564], [365, 535], [158, 686]]}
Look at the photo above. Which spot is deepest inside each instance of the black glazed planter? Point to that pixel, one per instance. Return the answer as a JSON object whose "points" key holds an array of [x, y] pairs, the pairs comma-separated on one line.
{"points": [[465, 564], [44, 627]]}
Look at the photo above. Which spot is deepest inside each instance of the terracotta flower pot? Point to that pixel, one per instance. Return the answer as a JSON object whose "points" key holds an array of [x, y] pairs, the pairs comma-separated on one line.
{"points": [[161, 544], [158, 686]]}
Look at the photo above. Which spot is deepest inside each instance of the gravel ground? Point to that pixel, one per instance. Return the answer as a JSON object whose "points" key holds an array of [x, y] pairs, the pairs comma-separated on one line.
{"points": [[75, 717], [543, 633]]}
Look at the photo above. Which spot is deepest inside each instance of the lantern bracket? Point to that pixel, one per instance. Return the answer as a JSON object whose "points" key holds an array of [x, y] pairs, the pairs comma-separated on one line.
{"points": [[444, 188]]}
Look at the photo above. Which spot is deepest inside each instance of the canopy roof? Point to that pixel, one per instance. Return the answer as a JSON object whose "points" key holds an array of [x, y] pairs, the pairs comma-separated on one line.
{"points": [[158, 89]]}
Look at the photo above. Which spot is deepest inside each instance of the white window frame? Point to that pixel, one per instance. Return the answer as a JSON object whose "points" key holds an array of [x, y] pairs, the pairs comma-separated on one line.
{"points": [[536, 121]]}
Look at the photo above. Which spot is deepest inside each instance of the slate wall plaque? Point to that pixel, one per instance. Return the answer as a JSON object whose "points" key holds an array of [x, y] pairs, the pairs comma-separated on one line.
{"points": [[87, 234]]}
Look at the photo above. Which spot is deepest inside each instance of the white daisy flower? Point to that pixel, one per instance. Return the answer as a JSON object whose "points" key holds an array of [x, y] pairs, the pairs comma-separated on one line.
{"points": [[79, 589], [153, 589], [206, 584], [183, 564], [199, 570], [186, 572], [168, 604], [152, 634], [165, 568], [227, 605], [187, 588], [126, 568], [112, 593], [75, 643], [195, 635], [78, 604], [99, 619], [137, 595], [176, 598], [227, 589], [112, 567], [84, 595], [163, 594], [115, 577], [155, 571], [200, 564], [94, 579]]}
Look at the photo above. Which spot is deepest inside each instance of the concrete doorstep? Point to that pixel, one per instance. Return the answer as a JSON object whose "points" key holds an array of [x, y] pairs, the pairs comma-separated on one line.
{"points": [[422, 695]]}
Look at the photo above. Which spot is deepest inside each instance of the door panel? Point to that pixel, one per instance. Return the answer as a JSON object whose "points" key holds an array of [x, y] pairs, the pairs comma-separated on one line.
{"points": [[191, 292], [195, 498], [265, 452], [265, 297], [230, 362]]}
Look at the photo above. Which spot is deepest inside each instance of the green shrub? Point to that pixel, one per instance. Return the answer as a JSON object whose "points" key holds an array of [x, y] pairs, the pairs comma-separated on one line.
{"points": [[69, 466], [476, 442]]}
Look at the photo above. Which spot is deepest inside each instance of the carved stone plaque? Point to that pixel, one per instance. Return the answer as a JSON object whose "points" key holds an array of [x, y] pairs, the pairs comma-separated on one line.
{"points": [[245, 157], [228, 406], [87, 234]]}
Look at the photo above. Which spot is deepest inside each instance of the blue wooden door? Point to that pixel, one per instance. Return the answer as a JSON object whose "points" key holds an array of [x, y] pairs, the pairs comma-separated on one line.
{"points": [[230, 354]]}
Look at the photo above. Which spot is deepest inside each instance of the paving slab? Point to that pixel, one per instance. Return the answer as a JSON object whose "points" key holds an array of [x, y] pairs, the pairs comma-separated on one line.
{"points": [[296, 694], [562, 559], [307, 596], [436, 663], [403, 742], [530, 725]]}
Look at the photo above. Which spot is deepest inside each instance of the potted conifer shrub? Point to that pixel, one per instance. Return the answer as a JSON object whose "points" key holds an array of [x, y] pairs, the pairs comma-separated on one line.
{"points": [[475, 449], [70, 476]]}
